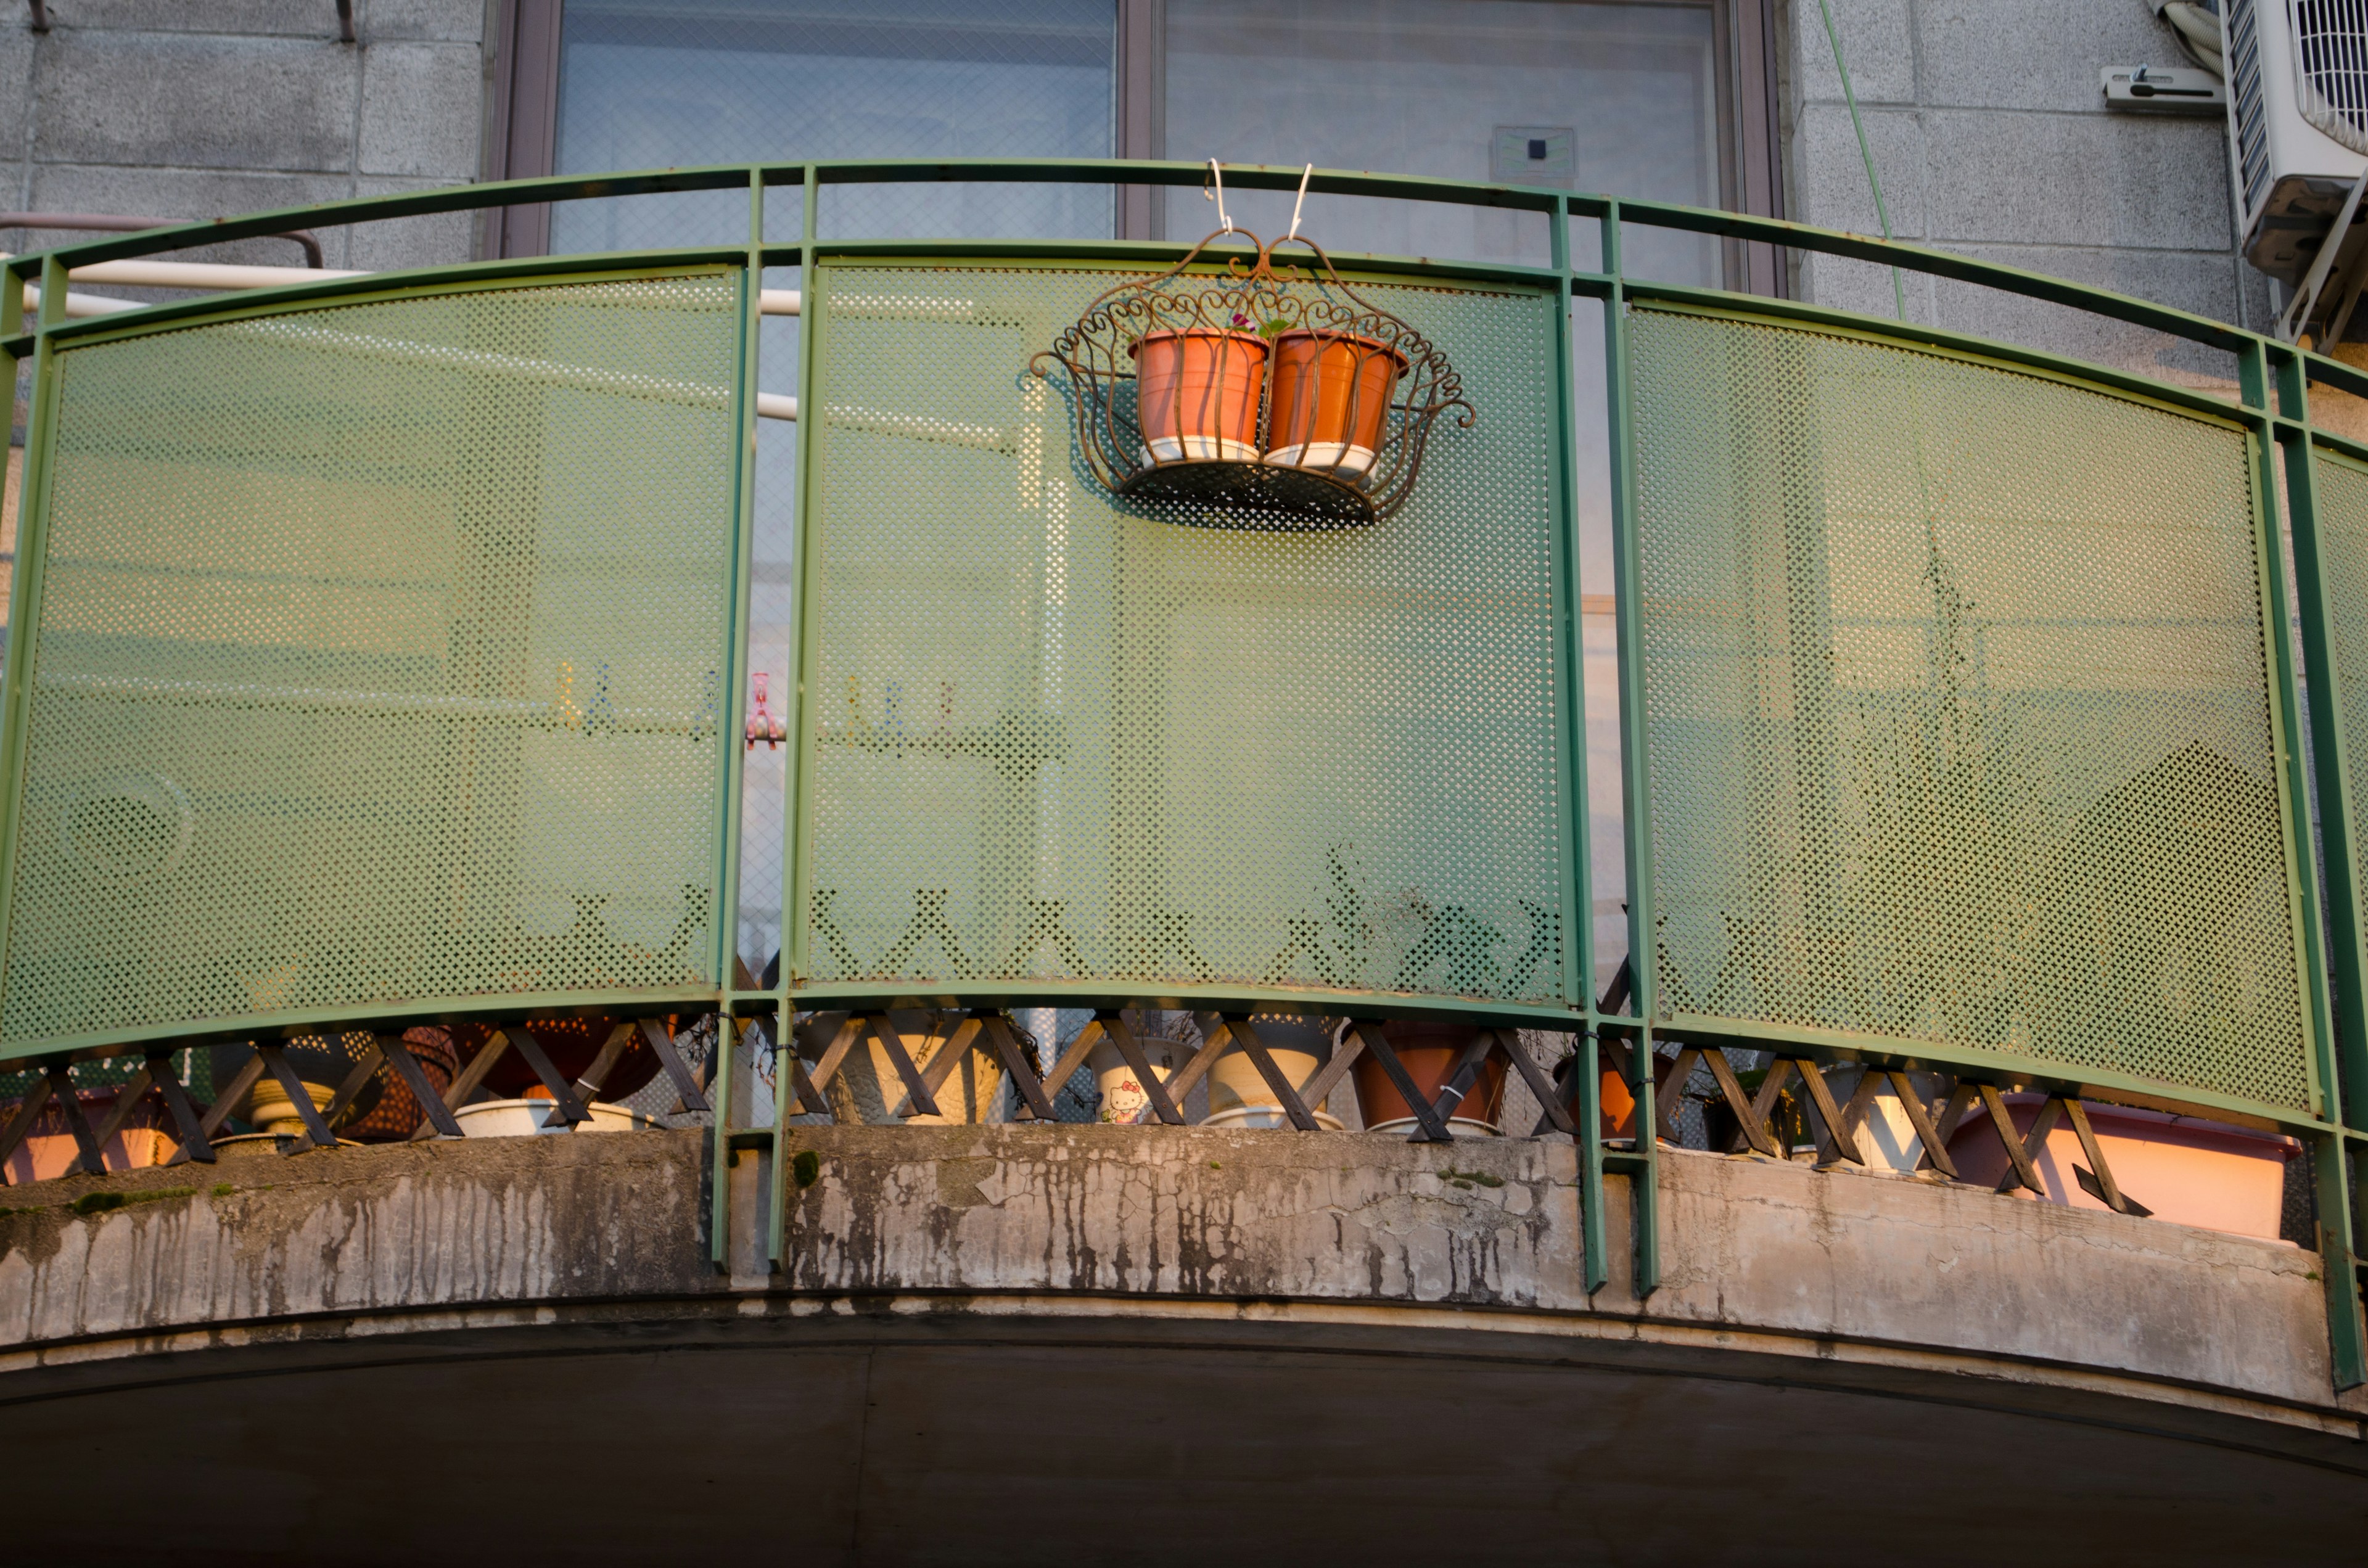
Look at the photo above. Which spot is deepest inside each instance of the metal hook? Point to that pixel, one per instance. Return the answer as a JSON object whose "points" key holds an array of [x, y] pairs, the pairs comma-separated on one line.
{"points": [[1304, 175], [1218, 175]]}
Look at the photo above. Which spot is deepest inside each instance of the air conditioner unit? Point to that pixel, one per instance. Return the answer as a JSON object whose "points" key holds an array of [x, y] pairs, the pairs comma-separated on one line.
{"points": [[2298, 123]]}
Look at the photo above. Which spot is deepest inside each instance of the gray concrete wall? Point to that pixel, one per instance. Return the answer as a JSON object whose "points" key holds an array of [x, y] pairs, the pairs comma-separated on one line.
{"points": [[1991, 137], [1770, 1257], [202, 109]]}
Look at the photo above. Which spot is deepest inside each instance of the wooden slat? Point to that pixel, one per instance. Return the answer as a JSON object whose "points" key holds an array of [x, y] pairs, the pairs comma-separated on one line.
{"points": [[245, 1078], [364, 1069], [2108, 1192], [1278, 1082], [1023, 1071], [686, 1082], [570, 1110], [127, 1100], [1132, 1049], [2020, 1170], [1327, 1077], [439, 1118], [918, 1101], [1830, 1114], [1670, 1087], [316, 1131], [1935, 1150], [184, 1115], [464, 1084], [1754, 1128], [27, 1114], [611, 1049], [1547, 1092], [1074, 1057]]}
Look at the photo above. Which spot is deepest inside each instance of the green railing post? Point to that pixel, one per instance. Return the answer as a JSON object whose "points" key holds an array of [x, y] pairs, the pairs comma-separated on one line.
{"points": [[797, 792], [735, 662], [2339, 1035], [718, 1095], [1570, 712], [1579, 875], [31, 571], [1635, 795]]}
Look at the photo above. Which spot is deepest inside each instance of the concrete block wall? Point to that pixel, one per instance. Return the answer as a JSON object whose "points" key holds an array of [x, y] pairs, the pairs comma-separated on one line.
{"points": [[1991, 136], [202, 108]]}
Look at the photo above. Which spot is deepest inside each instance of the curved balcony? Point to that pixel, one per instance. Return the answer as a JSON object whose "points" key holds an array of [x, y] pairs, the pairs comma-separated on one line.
{"points": [[382, 689]]}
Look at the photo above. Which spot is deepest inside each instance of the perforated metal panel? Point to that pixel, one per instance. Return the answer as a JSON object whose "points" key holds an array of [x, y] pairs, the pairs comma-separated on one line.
{"points": [[379, 658], [1956, 710], [1062, 736], [2342, 492]]}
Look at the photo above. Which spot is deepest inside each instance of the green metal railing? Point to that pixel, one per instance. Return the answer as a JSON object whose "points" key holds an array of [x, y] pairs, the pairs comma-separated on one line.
{"points": [[378, 652]]}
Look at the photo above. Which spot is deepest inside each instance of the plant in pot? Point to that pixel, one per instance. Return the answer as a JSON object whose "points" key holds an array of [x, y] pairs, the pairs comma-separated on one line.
{"points": [[1429, 1051], [1239, 1095], [869, 1091], [1329, 401], [321, 1063], [513, 1100], [1198, 390]]}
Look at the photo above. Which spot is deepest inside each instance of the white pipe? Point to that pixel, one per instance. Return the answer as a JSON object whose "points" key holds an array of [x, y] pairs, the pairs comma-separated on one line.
{"points": [[146, 274], [773, 406], [79, 304], [141, 273]]}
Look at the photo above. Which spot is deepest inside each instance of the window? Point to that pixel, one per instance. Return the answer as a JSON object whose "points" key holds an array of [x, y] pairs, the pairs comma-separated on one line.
{"points": [[1641, 99]]}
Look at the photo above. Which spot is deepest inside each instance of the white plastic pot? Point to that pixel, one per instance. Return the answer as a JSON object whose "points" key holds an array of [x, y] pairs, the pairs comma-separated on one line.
{"points": [[521, 1119]]}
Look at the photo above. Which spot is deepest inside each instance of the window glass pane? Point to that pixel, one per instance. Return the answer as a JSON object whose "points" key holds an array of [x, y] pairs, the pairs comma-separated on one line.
{"points": [[654, 83], [1620, 100]]}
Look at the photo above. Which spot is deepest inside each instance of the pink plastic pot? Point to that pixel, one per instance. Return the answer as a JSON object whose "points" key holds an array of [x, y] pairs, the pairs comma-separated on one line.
{"points": [[2188, 1171]]}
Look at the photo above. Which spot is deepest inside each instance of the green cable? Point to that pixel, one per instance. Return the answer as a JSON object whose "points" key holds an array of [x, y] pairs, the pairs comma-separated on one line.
{"points": [[1899, 290]]}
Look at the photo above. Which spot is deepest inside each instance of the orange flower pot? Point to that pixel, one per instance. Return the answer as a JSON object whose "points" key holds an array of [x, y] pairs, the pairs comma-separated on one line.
{"points": [[1331, 401], [1429, 1051], [1199, 394]]}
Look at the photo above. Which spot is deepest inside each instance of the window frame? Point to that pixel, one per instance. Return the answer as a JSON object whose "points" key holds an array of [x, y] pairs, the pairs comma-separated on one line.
{"points": [[525, 121]]}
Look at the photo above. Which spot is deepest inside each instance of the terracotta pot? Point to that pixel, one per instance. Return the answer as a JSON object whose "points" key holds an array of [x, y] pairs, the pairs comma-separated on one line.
{"points": [[1429, 1051], [1199, 394], [1330, 402], [572, 1044], [2188, 1171], [1238, 1092]]}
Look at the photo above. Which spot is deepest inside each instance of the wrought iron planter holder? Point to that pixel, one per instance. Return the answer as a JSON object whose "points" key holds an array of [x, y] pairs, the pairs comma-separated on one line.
{"points": [[1263, 396]]}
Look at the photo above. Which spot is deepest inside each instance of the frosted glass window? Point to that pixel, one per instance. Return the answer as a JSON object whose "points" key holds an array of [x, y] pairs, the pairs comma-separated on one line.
{"points": [[1620, 100], [658, 84]]}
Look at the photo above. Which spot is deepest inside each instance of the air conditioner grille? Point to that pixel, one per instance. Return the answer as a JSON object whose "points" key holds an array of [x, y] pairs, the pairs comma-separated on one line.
{"points": [[2332, 68], [2245, 100]]}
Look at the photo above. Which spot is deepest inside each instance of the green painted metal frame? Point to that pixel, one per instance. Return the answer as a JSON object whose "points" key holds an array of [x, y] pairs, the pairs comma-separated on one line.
{"points": [[2272, 409]]}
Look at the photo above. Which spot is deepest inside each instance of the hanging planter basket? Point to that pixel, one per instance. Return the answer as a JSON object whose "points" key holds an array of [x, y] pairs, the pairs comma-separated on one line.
{"points": [[1265, 396]]}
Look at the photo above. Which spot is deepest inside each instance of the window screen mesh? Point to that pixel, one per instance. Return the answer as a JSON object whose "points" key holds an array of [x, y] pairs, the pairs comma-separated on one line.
{"points": [[1060, 736], [1956, 710], [379, 658]]}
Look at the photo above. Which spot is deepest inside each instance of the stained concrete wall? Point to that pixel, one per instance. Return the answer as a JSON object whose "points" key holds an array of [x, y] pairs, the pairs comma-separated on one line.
{"points": [[1773, 1258], [202, 108], [1991, 137]]}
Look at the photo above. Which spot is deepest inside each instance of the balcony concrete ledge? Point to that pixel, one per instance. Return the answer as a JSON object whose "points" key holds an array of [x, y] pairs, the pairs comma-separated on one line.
{"points": [[993, 1323]]}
